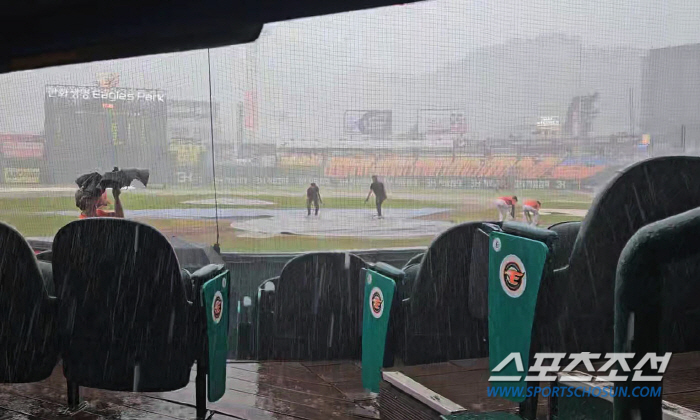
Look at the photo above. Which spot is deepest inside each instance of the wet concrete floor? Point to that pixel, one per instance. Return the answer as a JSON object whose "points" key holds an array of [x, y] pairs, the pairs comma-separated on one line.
{"points": [[271, 390]]}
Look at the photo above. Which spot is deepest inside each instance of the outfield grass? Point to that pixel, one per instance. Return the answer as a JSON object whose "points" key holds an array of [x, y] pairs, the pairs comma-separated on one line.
{"points": [[24, 213]]}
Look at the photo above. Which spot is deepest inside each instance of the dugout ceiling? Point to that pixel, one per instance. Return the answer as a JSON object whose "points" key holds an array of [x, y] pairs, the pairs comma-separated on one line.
{"points": [[42, 33]]}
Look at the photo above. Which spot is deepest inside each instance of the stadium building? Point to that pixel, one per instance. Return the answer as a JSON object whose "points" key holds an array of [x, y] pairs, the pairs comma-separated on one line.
{"points": [[671, 99], [95, 128], [189, 136]]}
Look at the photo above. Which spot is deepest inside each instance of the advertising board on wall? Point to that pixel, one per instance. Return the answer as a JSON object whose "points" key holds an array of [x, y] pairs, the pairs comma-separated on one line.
{"points": [[370, 122], [21, 158], [442, 121], [22, 175], [403, 182], [548, 123]]}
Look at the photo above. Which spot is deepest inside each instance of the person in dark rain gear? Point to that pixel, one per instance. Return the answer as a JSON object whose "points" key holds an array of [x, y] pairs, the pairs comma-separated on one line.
{"points": [[313, 196], [379, 193]]}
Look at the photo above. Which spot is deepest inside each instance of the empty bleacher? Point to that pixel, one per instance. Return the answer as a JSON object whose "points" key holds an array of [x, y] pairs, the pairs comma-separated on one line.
{"points": [[300, 161], [494, 167], [534, 168], [345, 166], [394, 166]]}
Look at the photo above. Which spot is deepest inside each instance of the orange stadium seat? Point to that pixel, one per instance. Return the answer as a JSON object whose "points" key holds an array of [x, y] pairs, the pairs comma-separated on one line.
{"points": [[545, 167], [532, 168], [474, 167], [497, 167], [575, 172], [296, 161], [343, 167], [420, 167], [468, 167], [394, 166]]}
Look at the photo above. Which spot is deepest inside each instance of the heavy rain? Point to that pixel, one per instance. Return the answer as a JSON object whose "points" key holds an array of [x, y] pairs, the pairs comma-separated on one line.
{"points": [[365, 214]]}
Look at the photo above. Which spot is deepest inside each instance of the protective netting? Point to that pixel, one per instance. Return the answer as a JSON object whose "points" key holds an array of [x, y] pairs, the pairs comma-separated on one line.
{"points": [[452, 104]]}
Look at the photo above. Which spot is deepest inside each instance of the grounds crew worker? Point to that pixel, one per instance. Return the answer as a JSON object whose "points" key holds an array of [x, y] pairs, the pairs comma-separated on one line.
{"points": [[506, 205], [379, 193], [313, 196], [531, 212]]}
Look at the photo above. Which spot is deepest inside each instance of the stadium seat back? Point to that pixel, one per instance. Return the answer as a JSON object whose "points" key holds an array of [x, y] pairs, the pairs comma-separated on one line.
{"points": [[655, 274], [567, 233], [264, 310], [680, 322], [439, 324], [28, 341], [580, 298], [318, 308], [126, 314]]}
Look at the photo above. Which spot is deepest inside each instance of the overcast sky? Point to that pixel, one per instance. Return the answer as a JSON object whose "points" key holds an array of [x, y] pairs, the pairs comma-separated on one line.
{"points": [[317, 67]]}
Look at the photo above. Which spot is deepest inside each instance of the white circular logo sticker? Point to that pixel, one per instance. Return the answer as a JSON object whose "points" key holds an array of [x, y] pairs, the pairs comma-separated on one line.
{"points": [[376, 302], [217, 307], [369, 278], [497, 244], [513, 276], [223, 282]]}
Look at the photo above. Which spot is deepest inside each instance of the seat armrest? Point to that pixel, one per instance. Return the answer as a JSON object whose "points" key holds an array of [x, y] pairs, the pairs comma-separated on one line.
{"points": [[208, 272], [274, 280], [201, 276], [46, 271], [416, 259], [390, 271], [263, 328], [549, 237]]}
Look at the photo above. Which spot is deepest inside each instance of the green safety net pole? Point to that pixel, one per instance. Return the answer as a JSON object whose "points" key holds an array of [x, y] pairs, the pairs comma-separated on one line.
{"points": [[639, 301]]}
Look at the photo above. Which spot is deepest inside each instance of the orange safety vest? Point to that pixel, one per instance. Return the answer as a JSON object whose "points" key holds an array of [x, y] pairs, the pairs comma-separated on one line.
{"points": [[508, 200]]}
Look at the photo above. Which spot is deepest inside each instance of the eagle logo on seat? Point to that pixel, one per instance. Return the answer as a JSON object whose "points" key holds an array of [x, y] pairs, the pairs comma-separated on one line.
{"points": [[376, 302], [513, 276], [217, 307]]}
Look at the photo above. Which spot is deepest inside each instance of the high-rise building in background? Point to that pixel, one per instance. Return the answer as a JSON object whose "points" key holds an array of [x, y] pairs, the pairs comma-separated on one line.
{"points": [[671, 99]]}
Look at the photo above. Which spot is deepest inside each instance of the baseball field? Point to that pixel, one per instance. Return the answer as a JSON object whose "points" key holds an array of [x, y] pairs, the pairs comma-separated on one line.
{"points": [[275, 219]]}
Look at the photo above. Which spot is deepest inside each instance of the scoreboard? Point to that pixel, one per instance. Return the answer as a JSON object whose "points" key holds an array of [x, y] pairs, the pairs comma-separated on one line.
{"points": [[96, 128]]}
